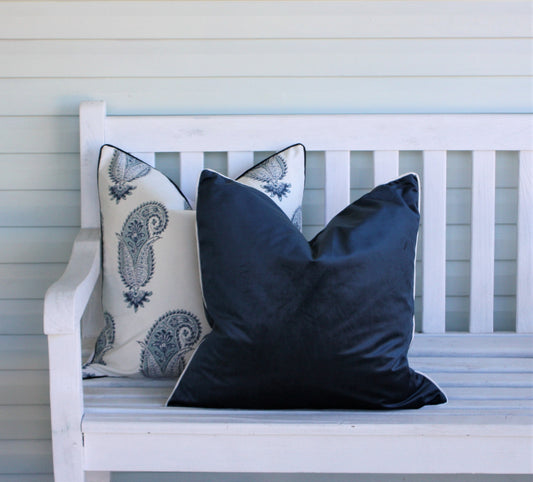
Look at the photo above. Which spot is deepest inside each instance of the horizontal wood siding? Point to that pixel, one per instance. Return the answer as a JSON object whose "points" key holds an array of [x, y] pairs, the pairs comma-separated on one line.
{"points": [[231, 57]]}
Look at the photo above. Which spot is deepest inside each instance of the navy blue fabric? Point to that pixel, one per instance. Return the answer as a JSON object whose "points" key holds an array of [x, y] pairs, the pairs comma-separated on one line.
{"points": [[297, 324]]}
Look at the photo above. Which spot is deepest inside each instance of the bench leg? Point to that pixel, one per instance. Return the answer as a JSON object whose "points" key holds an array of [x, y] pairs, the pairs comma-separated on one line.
{"points": [[97, 476], [66, 406]]}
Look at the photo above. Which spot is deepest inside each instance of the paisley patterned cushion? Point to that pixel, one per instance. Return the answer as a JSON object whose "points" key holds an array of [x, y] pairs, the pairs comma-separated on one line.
{"points": [[297, 324], [151, 295]]}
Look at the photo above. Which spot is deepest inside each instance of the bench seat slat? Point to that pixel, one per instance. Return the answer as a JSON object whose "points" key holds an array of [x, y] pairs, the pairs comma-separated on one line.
{"points": [[153, 403], [305, 422], [505, 345], [457, 390], [473, 365]]}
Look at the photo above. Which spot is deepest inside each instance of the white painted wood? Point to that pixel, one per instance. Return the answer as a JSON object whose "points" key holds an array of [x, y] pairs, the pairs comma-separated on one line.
{"points": [[524, 258], [433, 208], [67, 298], [92, 137], [337, 182], [228, 57], [505, 132], [482, 242], [501, 345], [264, 19], [239, 162], [65, 303], [337, 452], [386, 165], [191, 165], [66, 405], [352, 132]]}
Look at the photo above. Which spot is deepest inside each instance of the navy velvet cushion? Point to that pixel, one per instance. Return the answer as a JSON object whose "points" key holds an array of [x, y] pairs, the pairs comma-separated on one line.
{"points": [[297, 324]]}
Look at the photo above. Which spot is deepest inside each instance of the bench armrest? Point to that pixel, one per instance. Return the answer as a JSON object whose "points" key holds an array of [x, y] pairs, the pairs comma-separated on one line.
{"points": [[66, 299]]}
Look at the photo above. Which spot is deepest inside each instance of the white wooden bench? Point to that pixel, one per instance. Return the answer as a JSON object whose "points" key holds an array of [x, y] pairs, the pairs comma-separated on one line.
{"points": [[110, 424]]}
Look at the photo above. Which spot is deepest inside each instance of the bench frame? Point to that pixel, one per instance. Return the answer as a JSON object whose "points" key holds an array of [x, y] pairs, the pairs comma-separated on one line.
{"points": [[487, 427]]}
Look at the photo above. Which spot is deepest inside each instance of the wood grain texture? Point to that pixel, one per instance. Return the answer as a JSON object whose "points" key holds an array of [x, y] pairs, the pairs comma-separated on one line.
{"points": [[352, 132], [482, 242], [433, 207], [337, 182], [386, 166], [92, 137]]}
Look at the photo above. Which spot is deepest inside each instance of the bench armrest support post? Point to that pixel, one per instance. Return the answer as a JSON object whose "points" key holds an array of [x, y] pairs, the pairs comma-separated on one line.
{"points": [[67, 298], [64, 305]]}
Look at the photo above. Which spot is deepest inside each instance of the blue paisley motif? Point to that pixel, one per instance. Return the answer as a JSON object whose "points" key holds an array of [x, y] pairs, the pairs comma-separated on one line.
{"points": [[135, 250], [105, 340], [167, 342], [124, 169], [271, 172], [296, 218]]}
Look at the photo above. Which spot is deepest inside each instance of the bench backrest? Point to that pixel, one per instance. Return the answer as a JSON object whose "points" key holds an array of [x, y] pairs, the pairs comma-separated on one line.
{"points": [[377, 143]]}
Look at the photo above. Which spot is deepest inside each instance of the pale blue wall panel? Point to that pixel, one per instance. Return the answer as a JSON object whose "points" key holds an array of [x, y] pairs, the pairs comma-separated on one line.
{"points": [[276, 94]]}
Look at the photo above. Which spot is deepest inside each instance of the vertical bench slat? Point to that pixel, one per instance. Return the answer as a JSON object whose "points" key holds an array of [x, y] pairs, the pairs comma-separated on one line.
{"points": [[482, 242], [386, 166], [337, 182], [191, 165], [524, 261], [148, 157], [239, 162], [433, 208]]}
